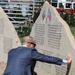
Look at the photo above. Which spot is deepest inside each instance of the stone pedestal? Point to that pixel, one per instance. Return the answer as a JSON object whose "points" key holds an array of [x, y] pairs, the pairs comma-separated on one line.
{"points": [[8, 39], [53, 37]]}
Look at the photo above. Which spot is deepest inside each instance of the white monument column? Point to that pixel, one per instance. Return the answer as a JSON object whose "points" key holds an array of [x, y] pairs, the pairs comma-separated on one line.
{"points": [[53, 37], [8, 39]]}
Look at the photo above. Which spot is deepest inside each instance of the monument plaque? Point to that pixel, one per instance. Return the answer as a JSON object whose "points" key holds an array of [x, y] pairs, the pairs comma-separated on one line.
{"points": [[53, 37], [8, 39]]}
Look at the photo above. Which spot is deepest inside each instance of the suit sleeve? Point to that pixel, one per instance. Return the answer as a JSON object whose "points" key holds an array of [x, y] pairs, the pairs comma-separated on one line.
{"points": [[45, 58]]}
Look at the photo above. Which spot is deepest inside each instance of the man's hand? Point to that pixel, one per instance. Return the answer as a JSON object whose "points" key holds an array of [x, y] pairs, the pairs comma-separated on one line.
{"points": [[69, 58]]}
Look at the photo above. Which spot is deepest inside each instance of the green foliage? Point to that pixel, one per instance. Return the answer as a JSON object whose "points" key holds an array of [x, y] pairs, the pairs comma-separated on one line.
{"points": [[73, 30], [24, 30], [71, 19], [48, 1]]}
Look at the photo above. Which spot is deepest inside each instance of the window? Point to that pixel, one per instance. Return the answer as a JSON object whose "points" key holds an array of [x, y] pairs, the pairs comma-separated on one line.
{"points": [[60, 4], [54, 0], [68, 5], [54, 4], [74, 5], [3, 0]]}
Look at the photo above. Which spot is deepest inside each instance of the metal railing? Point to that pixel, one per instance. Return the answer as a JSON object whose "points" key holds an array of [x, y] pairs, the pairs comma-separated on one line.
{"points": [[21, 14], [18, 12]]}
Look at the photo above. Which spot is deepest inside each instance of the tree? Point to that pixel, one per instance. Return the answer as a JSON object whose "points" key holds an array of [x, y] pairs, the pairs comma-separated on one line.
{"points": [[49, 1], [72, 19]]}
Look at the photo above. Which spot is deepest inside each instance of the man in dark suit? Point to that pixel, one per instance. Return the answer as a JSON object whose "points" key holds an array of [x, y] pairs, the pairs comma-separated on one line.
{"points": [[22, 60]]}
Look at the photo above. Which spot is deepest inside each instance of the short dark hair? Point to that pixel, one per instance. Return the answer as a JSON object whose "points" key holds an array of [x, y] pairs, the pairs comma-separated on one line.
{"points": [[61, 6]]}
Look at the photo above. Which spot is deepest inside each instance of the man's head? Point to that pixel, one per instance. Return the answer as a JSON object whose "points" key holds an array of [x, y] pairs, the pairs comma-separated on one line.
{"points": [[29, 41], [61, 8]]}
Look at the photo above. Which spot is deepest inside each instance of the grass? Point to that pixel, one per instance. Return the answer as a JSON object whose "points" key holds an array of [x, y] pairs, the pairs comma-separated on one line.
{"points": [[73, 30]]}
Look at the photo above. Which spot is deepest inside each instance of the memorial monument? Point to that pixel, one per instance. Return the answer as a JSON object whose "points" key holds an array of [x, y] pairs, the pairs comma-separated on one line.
{"points": [[53, 37], [8, 39]]}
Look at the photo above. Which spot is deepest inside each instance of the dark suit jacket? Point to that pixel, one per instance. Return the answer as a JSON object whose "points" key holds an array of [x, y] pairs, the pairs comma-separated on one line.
{"points": [[21, 61]]}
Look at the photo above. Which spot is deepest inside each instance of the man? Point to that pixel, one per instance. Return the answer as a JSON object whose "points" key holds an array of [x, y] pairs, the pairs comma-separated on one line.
{"points": [[22, 60], [63, 13], [37, 13]]}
